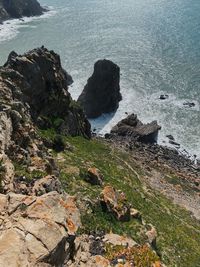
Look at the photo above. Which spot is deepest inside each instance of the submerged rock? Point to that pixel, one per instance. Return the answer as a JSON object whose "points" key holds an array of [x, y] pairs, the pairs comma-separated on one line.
{"points": [[164, 97], [189, 104], [135, 129], [102, 91]]}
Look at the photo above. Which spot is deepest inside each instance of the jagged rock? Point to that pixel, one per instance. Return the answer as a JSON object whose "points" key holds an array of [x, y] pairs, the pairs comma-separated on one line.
{"points": [[42, 83], [19, 9], [102, 91], [115, 202], [94, 176], [37, 230], [135, 129]]}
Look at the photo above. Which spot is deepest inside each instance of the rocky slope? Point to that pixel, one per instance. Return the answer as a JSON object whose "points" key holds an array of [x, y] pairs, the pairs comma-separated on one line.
{"points": [[71, 200], [19, 8]]}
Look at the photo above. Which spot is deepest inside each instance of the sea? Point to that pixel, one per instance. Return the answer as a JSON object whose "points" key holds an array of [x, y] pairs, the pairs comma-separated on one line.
{"points": [[156, 43]]}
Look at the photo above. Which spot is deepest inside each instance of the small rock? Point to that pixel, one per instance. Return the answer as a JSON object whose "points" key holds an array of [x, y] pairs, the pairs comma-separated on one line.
{"points": [[94, 176], [163, 97], [135, 213], [170, 137], [189, 104], [152, 235]]}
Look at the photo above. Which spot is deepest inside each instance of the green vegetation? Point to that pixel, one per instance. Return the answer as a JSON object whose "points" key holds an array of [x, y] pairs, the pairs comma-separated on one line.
{"points": [[178, 241], [21, 170]]}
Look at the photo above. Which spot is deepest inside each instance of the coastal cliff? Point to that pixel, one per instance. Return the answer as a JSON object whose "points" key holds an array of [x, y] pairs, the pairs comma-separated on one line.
{"points": [[70, 199], [19, 8]]}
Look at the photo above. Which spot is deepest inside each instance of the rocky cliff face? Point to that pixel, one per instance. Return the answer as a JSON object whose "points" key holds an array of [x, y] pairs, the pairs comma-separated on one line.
{"points": [[38, 221], [19, 8], [102, 91]]}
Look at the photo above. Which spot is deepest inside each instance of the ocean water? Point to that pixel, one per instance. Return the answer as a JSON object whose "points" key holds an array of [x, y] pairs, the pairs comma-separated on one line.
{"points": [[156, 43]]}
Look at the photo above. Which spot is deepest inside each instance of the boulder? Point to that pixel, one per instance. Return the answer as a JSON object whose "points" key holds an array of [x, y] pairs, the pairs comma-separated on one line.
{"points": [[115, 202], [132, 127], [94, 176], [102, 91], [37, 230]]}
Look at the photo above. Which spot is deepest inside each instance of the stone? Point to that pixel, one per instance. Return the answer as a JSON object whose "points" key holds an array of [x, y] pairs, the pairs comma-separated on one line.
{"points": [[152, 235], [102, 91], [94, 176], [189, 104], [115, 202], [132, 127], [170, 137], [135, 213], [164, 97]]}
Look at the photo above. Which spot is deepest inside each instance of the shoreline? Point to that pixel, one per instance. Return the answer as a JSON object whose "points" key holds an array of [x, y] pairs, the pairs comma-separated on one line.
{"points": [[9, 28]]}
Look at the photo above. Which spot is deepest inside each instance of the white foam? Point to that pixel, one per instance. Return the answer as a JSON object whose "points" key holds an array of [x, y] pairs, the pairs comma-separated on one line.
{"points": [[10, 28]]}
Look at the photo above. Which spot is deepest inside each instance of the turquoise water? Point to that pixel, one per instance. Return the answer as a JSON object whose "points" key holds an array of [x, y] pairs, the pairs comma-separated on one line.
{"points": [[156, 43]]}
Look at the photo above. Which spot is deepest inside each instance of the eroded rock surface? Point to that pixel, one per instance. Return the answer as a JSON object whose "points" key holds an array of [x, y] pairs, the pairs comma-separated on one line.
{"points": [[36, 230]]}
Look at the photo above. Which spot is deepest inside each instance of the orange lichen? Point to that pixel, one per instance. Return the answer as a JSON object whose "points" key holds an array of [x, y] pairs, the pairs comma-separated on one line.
{"points": [[71, 226]]}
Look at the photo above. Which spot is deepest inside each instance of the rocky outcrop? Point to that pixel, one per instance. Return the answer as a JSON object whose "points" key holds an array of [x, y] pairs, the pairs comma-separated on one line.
{"points": [[131, 127], [37, 81], [37, 231], [102, 91], [19, 8]]}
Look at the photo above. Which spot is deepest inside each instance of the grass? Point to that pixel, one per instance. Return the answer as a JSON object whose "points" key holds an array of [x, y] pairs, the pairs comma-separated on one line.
{"points": [[178, 241]]}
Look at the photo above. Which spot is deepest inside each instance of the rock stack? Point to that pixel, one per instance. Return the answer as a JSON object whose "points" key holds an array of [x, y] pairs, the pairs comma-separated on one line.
{"points": [[102, 91]]}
